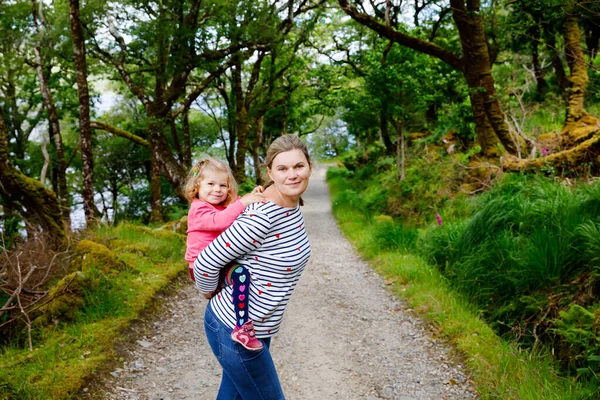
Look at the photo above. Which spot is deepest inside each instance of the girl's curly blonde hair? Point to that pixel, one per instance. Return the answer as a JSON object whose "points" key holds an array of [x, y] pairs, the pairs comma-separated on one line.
{"points": [[197, 173]]}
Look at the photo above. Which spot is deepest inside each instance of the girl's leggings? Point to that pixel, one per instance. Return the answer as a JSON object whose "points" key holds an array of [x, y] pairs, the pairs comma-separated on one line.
{"points": [[239, 278]]}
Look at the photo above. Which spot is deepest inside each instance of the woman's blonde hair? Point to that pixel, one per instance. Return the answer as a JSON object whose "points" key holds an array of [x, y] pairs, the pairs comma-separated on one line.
{"points": [[285, 143], [197, 173]]}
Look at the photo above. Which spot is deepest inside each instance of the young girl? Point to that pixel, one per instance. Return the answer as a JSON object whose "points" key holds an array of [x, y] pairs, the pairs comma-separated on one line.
{"points": [[212, 191]]}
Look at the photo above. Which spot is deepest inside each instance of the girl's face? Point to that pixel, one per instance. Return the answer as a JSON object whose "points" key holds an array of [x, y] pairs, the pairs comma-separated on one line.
{"points": [[290, 172], [214, 187]]}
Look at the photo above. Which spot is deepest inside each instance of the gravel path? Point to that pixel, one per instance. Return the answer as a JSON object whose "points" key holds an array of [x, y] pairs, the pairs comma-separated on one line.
{"points": [[344, 336]]}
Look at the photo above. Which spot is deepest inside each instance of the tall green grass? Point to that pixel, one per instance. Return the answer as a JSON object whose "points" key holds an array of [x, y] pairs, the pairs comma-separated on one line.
{"points": [[529, 258], [505, 256]]}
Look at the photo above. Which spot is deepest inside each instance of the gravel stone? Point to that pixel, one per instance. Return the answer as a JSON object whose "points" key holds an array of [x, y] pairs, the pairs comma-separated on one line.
{"points": [[344, 336]]}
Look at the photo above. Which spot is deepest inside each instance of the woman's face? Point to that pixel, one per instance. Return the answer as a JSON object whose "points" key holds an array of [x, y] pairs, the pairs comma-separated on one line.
{"points": [[290, 172]]}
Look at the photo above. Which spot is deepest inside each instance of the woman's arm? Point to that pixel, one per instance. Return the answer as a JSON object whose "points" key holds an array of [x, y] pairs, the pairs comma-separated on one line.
{"points": [[246, 234]]}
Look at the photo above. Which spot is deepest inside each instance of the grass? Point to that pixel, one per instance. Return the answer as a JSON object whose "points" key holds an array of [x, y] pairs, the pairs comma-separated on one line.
{"points": [[67, 354], [498, 368]]}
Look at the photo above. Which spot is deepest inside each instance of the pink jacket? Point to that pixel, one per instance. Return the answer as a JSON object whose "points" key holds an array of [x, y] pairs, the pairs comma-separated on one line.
{"points": [[206, 222]]}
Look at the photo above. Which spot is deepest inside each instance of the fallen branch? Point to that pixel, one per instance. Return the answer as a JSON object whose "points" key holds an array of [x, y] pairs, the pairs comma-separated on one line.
{"points": [[17, 291], [587, 151]]}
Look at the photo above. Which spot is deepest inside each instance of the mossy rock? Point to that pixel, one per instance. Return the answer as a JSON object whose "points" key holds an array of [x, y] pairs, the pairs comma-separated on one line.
{"points": [[66, 298], [178, 226], [116, 244], [95, 255], [141, 249], [158, 233]]}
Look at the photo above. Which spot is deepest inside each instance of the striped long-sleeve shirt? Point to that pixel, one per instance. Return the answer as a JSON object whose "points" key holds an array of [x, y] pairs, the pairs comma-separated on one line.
{"points": [[271, 242]]}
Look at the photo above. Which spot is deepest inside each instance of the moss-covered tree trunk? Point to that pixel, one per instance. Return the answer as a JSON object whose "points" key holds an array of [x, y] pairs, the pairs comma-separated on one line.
{"points": [[87, 159], [578, 78], [38, 206], [478, 74]]}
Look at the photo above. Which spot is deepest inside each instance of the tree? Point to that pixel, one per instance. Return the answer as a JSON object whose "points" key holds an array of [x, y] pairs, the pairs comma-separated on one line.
{"points": [[474, 63], [84, 111], [42, 71]]}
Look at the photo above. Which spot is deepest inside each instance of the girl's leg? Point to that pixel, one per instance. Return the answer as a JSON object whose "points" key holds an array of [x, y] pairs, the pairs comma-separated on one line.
{"points": [[239, 278], [247, 375]]}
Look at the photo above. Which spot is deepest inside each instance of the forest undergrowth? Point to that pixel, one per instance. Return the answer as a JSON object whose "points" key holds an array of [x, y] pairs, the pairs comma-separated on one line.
{"points": [[510, 275], [111, 275]]}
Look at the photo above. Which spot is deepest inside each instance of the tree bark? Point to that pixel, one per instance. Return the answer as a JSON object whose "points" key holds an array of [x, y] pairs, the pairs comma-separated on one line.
{"points": [[187, 141], [161, 151], [241, 122], [557, 64], [87, 158], [578, 78], [400, 151], [175, 136], [542, 85], [383, 130], [155, 192], [37, 205], [478, 73], [258, 141], [54, 123]]}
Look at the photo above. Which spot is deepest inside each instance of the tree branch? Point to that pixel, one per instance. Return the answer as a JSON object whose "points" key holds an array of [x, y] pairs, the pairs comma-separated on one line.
{"points": [[119, 132], [403, 39]]}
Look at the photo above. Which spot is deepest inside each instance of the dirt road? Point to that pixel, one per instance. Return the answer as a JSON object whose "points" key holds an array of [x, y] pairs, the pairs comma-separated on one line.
{"points": [[343, 336]]}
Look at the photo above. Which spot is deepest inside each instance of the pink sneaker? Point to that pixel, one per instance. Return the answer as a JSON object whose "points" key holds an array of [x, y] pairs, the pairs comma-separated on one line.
{"points": [[246, 336]]}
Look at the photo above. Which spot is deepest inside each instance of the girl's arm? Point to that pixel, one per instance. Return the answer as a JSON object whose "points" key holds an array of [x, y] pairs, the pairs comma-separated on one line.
{"points": [[204, 217], [245, 235]]}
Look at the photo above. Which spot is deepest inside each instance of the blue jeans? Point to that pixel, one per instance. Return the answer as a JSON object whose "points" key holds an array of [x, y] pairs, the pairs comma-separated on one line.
{"points": [[247, 375]]}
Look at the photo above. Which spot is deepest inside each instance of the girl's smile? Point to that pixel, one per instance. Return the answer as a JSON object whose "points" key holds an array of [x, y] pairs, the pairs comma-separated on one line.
{"points": [[214, 187]]}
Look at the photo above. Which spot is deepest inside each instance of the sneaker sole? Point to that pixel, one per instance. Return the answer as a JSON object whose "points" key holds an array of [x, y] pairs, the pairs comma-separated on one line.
{"points": [[247, 348]]}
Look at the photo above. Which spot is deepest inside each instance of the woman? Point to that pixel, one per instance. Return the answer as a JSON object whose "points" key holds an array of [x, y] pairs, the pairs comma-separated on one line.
{"points": [[270, 240]]}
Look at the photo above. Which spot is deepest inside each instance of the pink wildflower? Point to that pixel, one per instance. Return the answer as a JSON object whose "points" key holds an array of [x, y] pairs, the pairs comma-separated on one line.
{"points": [[439, 219]]}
